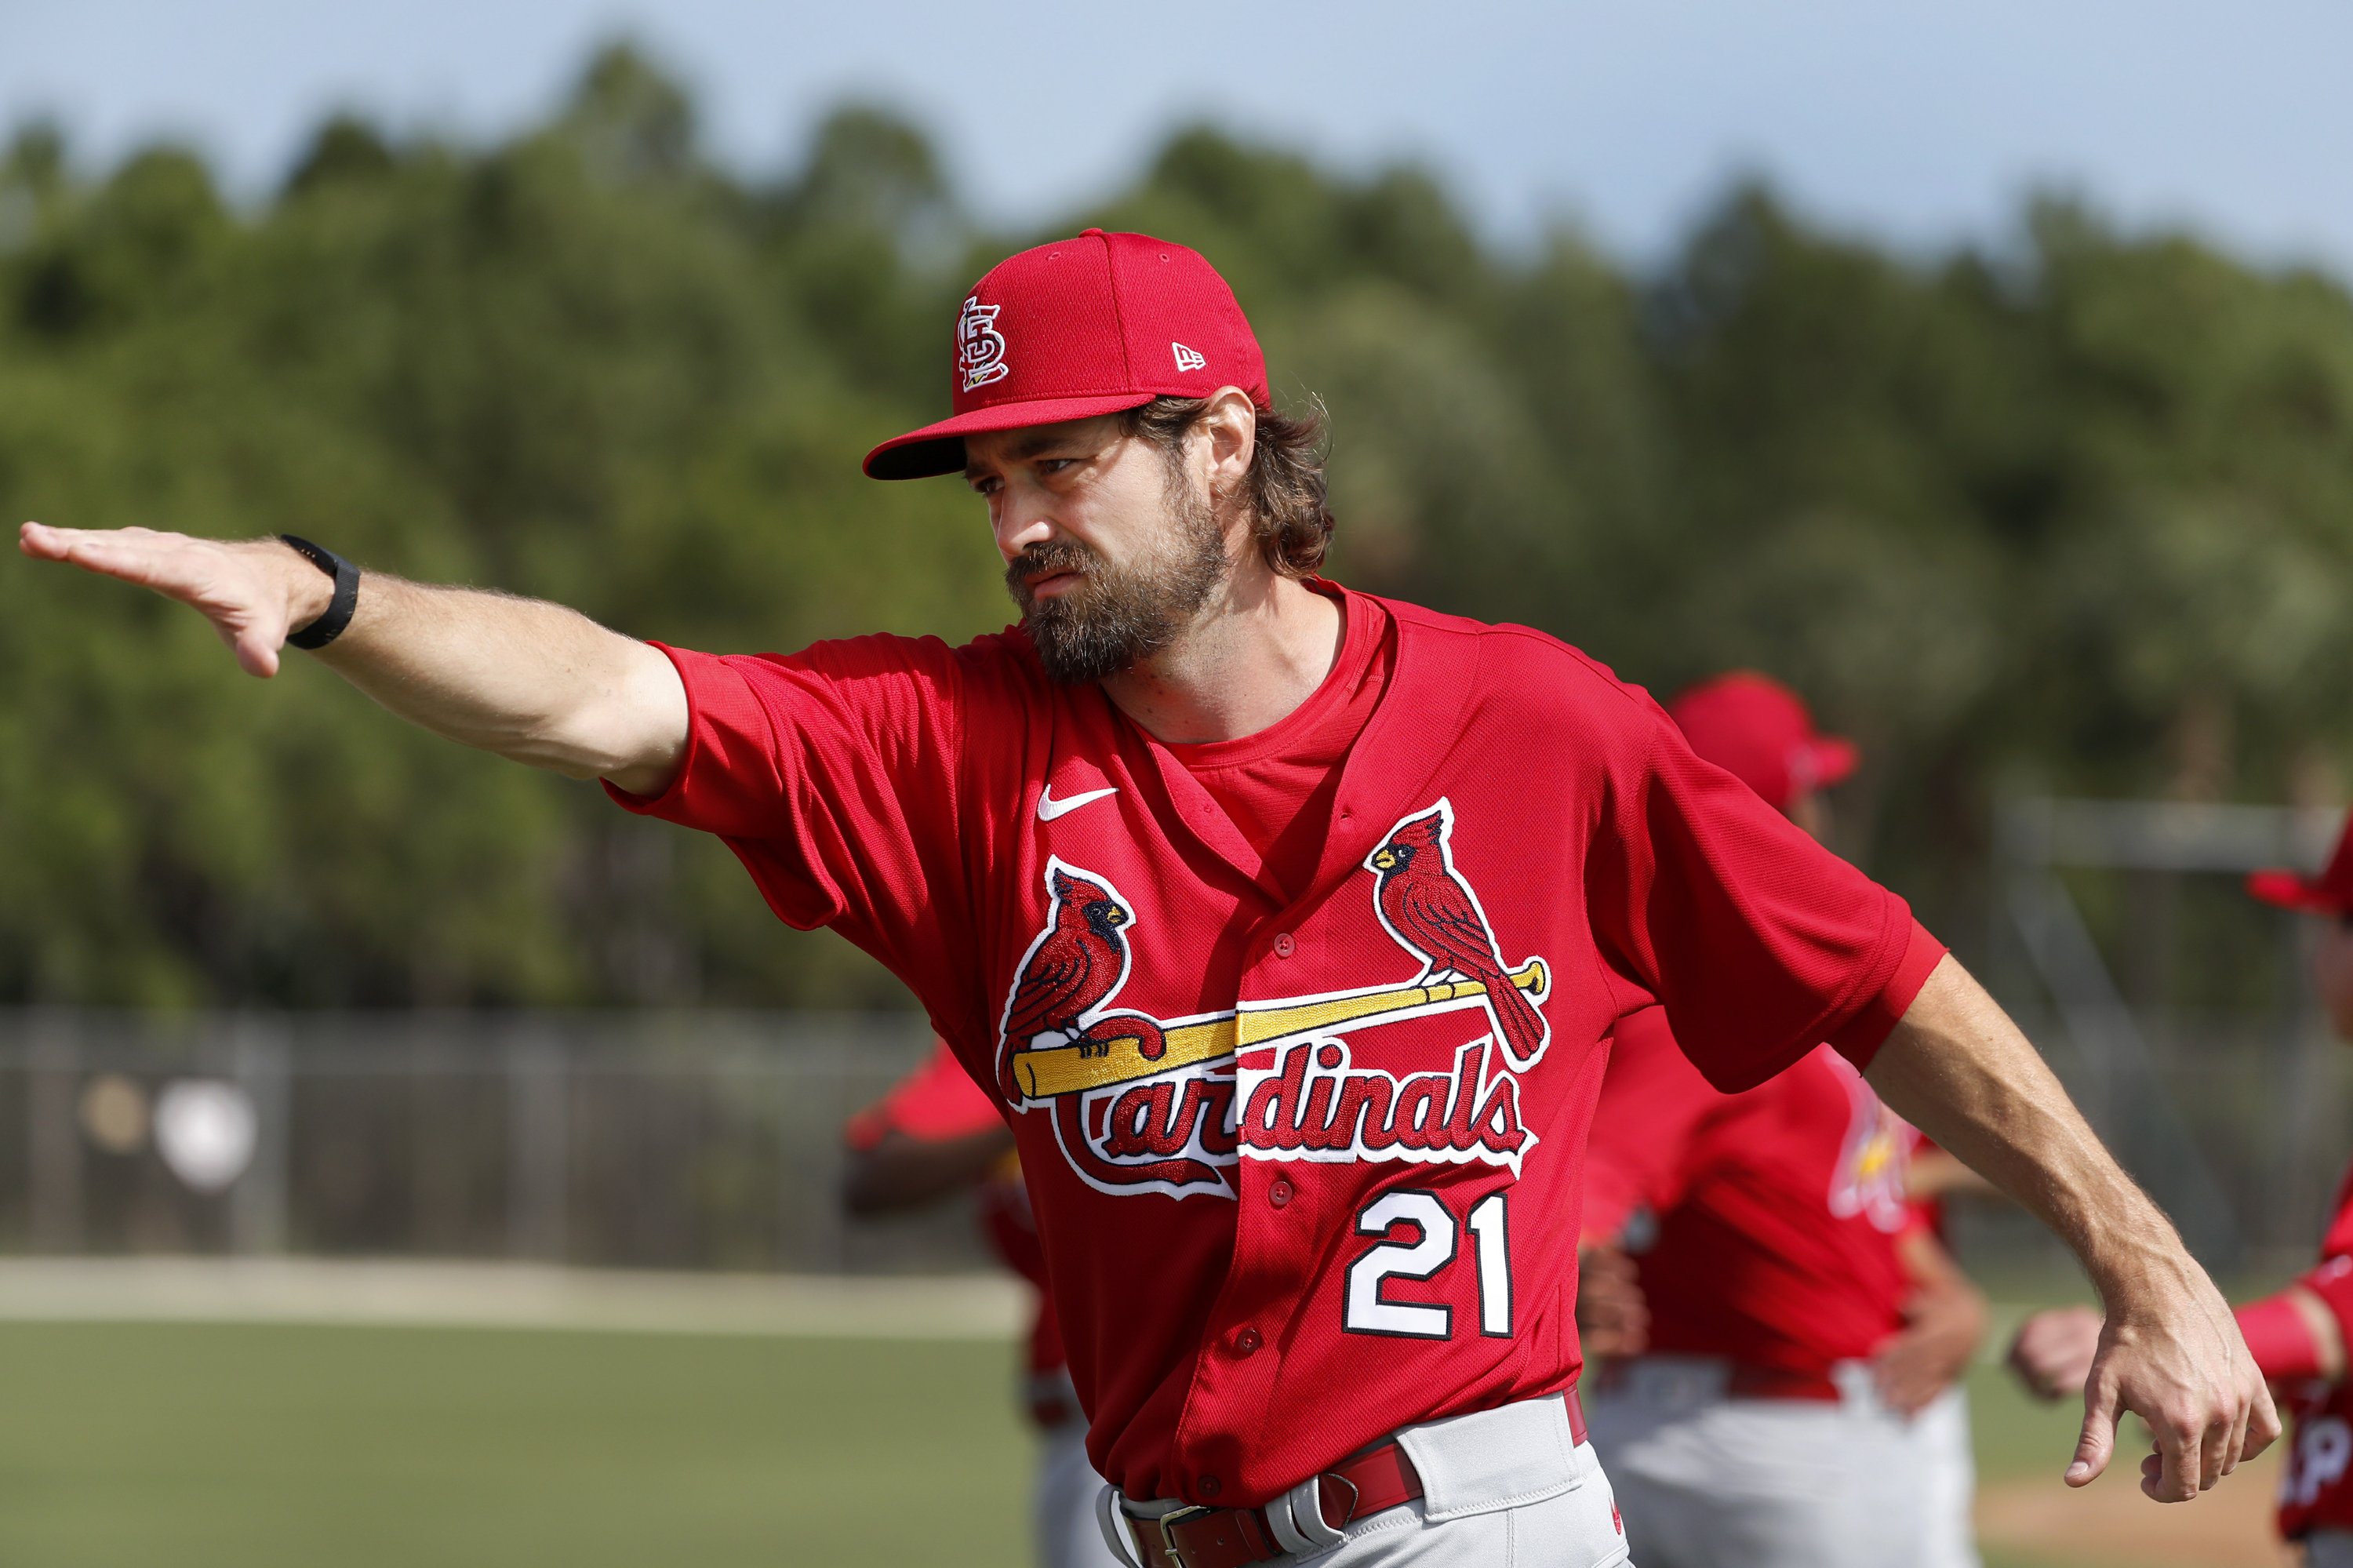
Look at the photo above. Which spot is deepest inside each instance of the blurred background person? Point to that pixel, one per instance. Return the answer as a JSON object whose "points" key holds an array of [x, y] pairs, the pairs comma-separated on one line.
{"points": [[2298, 1335], [1933, 1178], [1797, 1314], [936, 1136]]}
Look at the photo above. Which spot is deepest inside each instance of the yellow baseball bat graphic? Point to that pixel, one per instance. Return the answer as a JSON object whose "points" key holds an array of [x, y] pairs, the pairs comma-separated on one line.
{"points": [[1062, 1070]]}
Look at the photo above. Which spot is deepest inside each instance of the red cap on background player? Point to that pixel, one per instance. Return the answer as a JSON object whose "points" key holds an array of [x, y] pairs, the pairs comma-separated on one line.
{"points": [[2330, 893], [1082, 327], [1757, 730]]}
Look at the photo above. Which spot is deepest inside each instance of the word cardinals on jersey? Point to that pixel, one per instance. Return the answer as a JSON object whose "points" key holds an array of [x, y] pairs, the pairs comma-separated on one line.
{"points": [[1301, 1129], [1124, 1124]]}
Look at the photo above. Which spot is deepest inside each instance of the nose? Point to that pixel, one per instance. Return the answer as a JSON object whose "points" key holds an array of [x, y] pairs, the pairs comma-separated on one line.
{"points": [[1020, 520]]}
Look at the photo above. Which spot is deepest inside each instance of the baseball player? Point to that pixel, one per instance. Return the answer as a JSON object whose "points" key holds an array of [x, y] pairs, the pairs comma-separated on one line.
{"points": [[2298, 1335], [1289, 924], [1801, 1315], [1940, 1431], [937, 1134]]}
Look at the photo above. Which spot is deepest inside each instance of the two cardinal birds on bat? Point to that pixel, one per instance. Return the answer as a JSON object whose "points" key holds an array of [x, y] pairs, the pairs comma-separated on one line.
{"points": [[1424, 901]]}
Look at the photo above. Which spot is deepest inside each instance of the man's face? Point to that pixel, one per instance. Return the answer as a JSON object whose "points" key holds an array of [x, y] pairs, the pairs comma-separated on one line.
{"points": [[1111, 550], [2332, 971]]}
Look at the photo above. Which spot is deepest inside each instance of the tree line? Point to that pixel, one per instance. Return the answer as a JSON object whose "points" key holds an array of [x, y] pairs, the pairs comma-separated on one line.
{"points": [[2072, 512]]}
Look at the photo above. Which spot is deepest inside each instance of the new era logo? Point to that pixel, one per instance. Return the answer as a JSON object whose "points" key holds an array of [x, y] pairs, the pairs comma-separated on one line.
{"points": [[1187, 359]]}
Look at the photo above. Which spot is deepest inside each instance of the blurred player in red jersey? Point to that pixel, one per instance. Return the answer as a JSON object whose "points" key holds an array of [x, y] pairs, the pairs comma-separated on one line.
{"points": [[1801, 1314], [2298, 1335], [937, 1134], [1216, 872], [1941, 1429]]}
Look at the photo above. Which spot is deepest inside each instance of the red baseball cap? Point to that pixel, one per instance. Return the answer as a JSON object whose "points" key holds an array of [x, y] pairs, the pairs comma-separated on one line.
{"points": [[1082, 327], [1757, 730], [2330, 893]]}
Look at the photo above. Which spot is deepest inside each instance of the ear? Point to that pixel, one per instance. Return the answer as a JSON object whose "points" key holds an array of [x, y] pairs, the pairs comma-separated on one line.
{"points": [[1230, 424]]}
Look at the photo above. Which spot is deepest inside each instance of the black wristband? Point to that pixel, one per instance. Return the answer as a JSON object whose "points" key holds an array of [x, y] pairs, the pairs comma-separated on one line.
{"points": [[338, 614]]}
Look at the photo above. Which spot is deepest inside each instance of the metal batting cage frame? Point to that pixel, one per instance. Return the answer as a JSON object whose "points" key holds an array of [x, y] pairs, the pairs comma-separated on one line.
{"points": [[2228, 1119]]}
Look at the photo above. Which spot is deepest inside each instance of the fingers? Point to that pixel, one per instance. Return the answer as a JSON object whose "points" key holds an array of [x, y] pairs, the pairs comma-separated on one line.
{"points": [[2262, 1423], [2099, 1436], [132, 555], [2218, 1446], [219, 581], [257, 652], [2183, 1443], [2177, 1475], [2255, 1410], [1909, 1396]]}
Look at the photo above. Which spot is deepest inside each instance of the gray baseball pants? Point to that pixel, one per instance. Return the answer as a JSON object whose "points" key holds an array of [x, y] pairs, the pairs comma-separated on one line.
{"points": [[2328, 1549], [1707, 1481], [1502, 1489], [1062, 1505], [1949, 1480]]}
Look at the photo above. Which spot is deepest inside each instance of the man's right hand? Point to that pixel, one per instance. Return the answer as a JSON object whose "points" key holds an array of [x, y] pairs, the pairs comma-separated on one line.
{"points": [[254, 591]]}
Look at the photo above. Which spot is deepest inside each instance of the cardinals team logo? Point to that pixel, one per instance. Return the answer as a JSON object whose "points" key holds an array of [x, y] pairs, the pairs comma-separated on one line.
{"points": [[1874, 1164], [980, 347], [1432, 911], [1150, 1104]]}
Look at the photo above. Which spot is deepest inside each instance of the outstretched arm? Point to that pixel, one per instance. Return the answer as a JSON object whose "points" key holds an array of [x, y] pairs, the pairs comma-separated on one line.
{"points": [[1958, 1069], [530, 681]]}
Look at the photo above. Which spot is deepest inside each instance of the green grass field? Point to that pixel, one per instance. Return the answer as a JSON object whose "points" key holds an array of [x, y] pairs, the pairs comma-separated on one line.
{"points": [[205, 1447], [148, 1446]]}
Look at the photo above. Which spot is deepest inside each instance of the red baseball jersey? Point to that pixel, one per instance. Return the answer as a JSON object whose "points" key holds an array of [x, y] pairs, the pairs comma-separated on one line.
{"points": [[1777, 1208], [2316, 1491], [1306, 1141], [939, 1101]]}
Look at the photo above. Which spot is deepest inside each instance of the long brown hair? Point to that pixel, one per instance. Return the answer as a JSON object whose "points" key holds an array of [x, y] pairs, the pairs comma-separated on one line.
{"points": [[1285, 485]]}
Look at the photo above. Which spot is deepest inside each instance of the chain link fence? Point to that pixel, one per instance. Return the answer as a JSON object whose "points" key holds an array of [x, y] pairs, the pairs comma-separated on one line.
{"points": [[713, 1141], [691, 1142]]}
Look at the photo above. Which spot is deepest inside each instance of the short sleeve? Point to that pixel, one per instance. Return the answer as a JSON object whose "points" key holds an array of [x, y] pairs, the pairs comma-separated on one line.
{"points": [[834, 774], [1860, 1037], [1652, 1102], [1761, 943]]}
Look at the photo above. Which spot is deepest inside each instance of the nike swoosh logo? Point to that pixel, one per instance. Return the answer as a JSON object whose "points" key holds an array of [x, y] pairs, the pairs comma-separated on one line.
{"points": [[1048, 808]]}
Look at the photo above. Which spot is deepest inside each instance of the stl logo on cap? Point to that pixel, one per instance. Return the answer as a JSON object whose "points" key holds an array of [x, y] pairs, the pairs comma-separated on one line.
{"points": [[980, 347]]}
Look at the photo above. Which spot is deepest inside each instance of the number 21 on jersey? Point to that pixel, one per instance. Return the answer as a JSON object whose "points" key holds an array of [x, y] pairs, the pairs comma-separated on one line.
{"points": [[1429, 1245]]}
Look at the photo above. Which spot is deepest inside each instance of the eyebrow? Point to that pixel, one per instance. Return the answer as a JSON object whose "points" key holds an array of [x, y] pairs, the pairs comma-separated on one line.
{"points": [[1025, 448]]}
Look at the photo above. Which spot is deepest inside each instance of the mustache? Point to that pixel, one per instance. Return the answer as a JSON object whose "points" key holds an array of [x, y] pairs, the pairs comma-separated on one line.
{"points": [[1046, 558]]}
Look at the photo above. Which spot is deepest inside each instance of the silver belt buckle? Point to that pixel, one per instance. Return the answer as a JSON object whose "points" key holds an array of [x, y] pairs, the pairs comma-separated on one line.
{"points": [[1177, 1515]]}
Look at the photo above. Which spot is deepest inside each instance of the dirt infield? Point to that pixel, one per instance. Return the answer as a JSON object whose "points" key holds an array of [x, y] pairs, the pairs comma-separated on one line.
{"points": [[2109, 1522]]}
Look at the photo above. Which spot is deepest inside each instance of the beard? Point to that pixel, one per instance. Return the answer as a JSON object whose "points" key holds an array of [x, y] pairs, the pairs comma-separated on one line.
{"points": [[1116, 616]]}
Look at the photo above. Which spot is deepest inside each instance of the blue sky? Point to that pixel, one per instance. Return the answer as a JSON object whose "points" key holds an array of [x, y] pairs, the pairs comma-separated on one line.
{"points": [[1921, 123]]}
